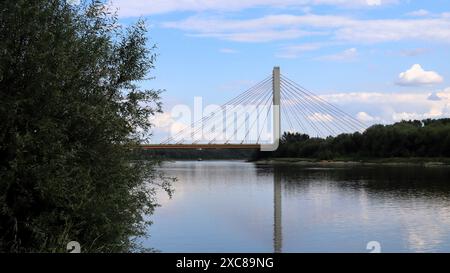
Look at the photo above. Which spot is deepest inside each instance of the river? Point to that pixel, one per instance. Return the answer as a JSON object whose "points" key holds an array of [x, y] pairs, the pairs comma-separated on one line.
{"points": [[235, 206]]}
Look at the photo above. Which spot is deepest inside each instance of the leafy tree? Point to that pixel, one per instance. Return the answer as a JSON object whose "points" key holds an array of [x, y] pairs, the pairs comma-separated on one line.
{"points": [[71, 114]]}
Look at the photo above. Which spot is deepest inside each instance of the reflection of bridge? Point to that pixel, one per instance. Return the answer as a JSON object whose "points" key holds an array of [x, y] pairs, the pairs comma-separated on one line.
{"points": [[241, 122], [277, 212]]}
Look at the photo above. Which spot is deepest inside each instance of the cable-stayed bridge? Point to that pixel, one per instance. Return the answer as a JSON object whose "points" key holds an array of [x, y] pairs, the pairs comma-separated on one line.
{"points": [[256, 118]]}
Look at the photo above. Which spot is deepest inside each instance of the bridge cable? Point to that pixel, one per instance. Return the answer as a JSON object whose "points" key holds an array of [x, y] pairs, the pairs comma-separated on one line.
{"points": [[316, 112], [234, 109], [259, 101], [289, 114], [327, 115], [269, 97], [235, 105], [264, 123], [285, 114], [241, 97], [294, 112], [333, 107], [245, 94], [330, 116], [311, 113], [237, 128]]}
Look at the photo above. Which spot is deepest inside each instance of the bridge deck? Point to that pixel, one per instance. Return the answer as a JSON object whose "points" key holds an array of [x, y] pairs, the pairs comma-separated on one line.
{"points": [[200, 146]]}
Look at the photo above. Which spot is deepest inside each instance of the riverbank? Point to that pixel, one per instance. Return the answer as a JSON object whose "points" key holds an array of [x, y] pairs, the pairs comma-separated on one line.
{"points": [[427, 162]]}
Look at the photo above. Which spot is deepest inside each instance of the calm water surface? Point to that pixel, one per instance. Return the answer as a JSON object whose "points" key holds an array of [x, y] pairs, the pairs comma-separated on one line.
{"points": [[233, 206]]}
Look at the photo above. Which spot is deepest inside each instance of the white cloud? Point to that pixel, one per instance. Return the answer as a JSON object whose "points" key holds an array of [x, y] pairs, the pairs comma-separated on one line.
{"points": [[162, 120], [165, 122], [403, 98], [280, 21], [436, 111], [416, 75], [444, 94], [335, 28], [258, 36], [413, 52], [264, 29], [377, 107], [321, 117], [434, 97], [378, 31], [364, 117], [374, 2], [396, 117], [347, 55], [136, 8], [419, 13]]}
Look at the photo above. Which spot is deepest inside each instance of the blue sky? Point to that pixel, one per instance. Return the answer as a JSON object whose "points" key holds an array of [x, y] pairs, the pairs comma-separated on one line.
{"points": [[379, 60]]}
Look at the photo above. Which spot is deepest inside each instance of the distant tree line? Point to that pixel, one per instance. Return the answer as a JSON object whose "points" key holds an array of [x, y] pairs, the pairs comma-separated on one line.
{"points": [[427, 138]]}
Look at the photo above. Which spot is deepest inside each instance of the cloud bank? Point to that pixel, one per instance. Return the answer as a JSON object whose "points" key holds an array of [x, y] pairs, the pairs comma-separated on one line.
{"points": [[136, 8], [335, 28]]}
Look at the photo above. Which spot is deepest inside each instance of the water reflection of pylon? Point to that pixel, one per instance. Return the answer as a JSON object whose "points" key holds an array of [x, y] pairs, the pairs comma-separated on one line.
{"points": [[277, 225]]}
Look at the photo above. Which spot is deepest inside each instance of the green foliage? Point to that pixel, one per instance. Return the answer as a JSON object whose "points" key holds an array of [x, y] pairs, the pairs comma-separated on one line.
{"points": [[71, 113], [428, 138]]}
